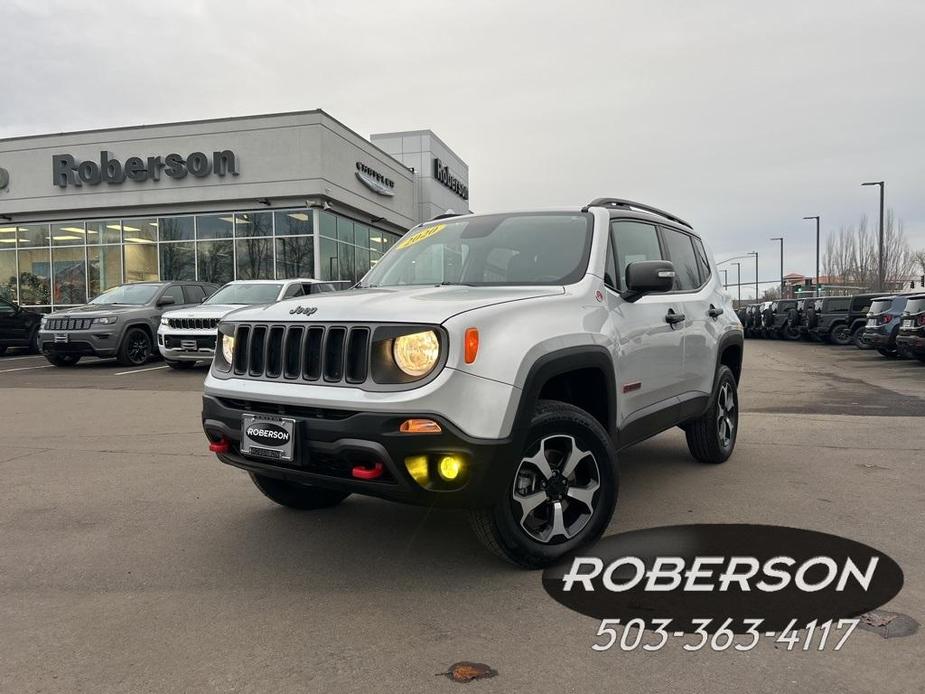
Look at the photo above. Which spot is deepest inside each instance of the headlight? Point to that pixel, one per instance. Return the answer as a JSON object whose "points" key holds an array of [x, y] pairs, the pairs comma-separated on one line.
{"points": [[228, 348], [105, 320], [164, 321], [44, 321], [416, 354]]}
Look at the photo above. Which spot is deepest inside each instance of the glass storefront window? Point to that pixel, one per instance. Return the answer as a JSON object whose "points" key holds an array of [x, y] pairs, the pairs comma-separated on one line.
{"points": [[374, 258], [329, 266], [178, 261], [293, 222], [70, 276], [328, 223], [139, 230], [176, 228], [104, 231], [344, 230], [8, 275], [214, 226], [345, 261], [68, 234], [253, 224], [104, 269], [362, 263], [34, 273], [215, 261], [140, 262], [375, 240], [33, 235], [361, 234], [295, 257], [254, 258]]}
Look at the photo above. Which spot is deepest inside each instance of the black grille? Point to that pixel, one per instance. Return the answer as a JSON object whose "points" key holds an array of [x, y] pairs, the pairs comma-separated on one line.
{"points": [[176, 342], [193, 323], [333, 354], [68, 324]]}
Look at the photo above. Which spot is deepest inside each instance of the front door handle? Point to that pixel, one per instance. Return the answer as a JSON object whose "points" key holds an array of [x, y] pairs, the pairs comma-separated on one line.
{"points": [[714, 312], [672, 318]]}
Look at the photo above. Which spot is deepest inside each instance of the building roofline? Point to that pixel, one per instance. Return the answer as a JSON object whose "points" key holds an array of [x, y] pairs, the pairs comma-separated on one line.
{"points": [[423, 131]]}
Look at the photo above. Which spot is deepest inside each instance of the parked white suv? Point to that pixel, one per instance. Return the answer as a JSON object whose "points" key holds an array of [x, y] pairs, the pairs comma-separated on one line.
{"points": [[187, 335], [493, 362]]}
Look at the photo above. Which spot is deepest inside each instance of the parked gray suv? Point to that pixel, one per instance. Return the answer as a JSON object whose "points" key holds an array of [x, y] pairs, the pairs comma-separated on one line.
{"points": [[120, 322]]}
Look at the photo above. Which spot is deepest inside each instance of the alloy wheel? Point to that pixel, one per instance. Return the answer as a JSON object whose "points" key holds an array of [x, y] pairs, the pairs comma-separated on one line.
{"points": [[555, 489], [138, 348], [725, 415]]}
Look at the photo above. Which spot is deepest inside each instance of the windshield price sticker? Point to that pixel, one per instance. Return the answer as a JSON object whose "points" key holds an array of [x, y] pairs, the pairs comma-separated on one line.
{"points": [[724, 586], [417, 236]]}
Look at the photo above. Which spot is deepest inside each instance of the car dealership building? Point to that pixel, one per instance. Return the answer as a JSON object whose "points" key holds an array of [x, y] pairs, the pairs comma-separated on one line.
{"points": [[258, 197]]}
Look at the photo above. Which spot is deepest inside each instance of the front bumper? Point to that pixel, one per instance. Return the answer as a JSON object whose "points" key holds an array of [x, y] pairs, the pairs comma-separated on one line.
{"points": [[330, 443], [186, 345], [100, 342]]}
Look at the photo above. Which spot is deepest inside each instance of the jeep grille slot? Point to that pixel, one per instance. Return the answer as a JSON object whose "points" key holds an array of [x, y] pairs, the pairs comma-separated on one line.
{"points": [[334, 354], [192, 323], [330, 354], [69, 324], [357, 355]]}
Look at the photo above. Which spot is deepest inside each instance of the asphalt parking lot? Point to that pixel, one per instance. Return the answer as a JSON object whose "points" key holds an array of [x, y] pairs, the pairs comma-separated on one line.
{"points": [[130, 560]]}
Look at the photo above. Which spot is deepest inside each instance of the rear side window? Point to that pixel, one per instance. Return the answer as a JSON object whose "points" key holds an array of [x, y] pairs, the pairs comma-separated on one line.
{"points": [[293, 290], [916, 305], [681, 254], [194, 294], [633, 242], [881, 306]]}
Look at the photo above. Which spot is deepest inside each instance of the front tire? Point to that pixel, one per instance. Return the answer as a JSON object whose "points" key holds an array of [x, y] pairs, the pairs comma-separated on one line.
{"points": [[712, 437], [559, 497], [888, 352], [135, 349], [302, 497], [63, 360]]}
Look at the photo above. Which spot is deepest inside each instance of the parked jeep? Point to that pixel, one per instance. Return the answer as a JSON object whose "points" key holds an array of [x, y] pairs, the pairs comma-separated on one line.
{"points": [[883, 323], [828, 319], [491, 362], [765, 319], [19, 327], [910, 340], [780, 320], [752, 322], [120, 322], [187, 335], [803, 315]]}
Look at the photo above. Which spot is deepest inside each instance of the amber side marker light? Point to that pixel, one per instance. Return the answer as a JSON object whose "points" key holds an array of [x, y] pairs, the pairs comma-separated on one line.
{"points": [[419, 426], [472, 344]]}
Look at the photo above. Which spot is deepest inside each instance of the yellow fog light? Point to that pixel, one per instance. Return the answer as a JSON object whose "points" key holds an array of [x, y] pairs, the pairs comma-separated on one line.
{"points": [[450, 467], [417, 468]]}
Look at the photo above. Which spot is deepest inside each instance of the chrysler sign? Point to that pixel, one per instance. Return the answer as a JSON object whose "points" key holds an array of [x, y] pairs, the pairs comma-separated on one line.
{"points": [[374, 180], [68, 171]]}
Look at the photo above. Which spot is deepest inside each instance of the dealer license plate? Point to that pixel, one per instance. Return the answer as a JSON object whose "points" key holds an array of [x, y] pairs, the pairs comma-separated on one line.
{"points": [[871, 322], [60, 337], [266, 436], [907, 323]]}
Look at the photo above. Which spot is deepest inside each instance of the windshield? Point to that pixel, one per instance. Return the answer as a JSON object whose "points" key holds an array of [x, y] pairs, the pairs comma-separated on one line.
{"points": [[245, 294], [129, 294], [493, 250], [881, 306]]}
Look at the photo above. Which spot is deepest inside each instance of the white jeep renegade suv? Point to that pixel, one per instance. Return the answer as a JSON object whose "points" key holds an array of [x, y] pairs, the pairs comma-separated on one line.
{"points": [[493, 362]]}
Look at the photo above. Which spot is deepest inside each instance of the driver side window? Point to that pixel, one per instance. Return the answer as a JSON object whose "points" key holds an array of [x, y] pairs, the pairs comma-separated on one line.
{"points": [[176, 292], [633, 242]]}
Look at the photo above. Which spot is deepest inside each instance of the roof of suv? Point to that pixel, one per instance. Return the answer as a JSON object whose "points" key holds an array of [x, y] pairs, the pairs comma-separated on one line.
{"points": [[291, 279]]}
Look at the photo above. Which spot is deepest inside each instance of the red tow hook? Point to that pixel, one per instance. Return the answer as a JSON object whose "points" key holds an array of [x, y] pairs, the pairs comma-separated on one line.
{"points": [[220, 446], [368, 473]]}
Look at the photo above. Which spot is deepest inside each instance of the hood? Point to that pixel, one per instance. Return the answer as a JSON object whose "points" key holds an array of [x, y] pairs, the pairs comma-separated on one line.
{"points": [[207, 311], [393, 304], [95, 310]]}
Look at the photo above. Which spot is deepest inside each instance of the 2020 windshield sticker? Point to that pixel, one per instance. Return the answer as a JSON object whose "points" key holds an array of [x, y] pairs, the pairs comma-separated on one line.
{"points": [[417, 236], [718, 586]]}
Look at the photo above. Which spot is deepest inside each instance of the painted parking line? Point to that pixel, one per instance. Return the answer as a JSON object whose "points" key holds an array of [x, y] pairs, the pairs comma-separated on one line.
{"points": [[27, 356], [26, 368], [138, 371]]}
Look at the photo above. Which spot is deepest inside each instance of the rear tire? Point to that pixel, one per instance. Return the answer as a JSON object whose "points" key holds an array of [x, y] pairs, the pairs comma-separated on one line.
{"points": [[302, 497], [712, 437], [180, 365], [840, 335], [63, 360], [34, 346], [888, 353], [857, 337], [559, 497], [135, 349]]}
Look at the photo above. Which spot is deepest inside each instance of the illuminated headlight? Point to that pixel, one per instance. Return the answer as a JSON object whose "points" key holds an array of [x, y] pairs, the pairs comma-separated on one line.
{"points": [[228, 348], [44, 321], [416, 354], [104, 320], [164, 321]]}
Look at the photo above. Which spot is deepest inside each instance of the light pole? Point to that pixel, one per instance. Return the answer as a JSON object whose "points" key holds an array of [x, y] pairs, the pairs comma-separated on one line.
{"points": [[781, 239], [725, 278], [755, 253], [880, 263], [817, 253], [739, 279]]}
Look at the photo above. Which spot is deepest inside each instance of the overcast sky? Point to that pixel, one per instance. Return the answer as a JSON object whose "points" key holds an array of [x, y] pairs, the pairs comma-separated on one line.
{"points": [[739, 116]]}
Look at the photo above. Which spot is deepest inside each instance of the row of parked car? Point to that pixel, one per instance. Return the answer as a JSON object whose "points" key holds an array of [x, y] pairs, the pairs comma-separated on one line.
{"points": [[893, 324], [137, 321]]}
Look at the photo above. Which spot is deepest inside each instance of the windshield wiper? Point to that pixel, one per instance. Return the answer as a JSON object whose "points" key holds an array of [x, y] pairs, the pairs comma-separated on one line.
{"points": [[454, 284]]}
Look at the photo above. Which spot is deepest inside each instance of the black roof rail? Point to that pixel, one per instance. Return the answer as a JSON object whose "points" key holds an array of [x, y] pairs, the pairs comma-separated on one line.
{"points": [[445, 215], [629, 204]]}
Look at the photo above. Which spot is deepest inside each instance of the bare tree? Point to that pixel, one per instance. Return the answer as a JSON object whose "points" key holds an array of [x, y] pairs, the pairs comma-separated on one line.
{"points": [[851, 256]]}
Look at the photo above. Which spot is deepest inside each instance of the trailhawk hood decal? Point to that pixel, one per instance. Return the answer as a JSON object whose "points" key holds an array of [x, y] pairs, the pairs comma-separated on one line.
{"points": [[391, 304]]}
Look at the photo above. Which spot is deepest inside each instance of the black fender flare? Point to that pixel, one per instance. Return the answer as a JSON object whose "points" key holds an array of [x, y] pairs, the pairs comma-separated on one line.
{"points": [[727, 340], [561, 361], [857, 324], [144, 325]]}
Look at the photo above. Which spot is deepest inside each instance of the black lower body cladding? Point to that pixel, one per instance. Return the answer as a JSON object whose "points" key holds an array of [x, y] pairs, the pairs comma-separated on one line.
{"points": [[330, 443], [912, 345]]}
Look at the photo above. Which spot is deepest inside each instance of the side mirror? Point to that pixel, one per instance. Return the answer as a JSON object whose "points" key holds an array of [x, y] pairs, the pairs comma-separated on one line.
{"points": [[166, 301], [648, 277]]}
